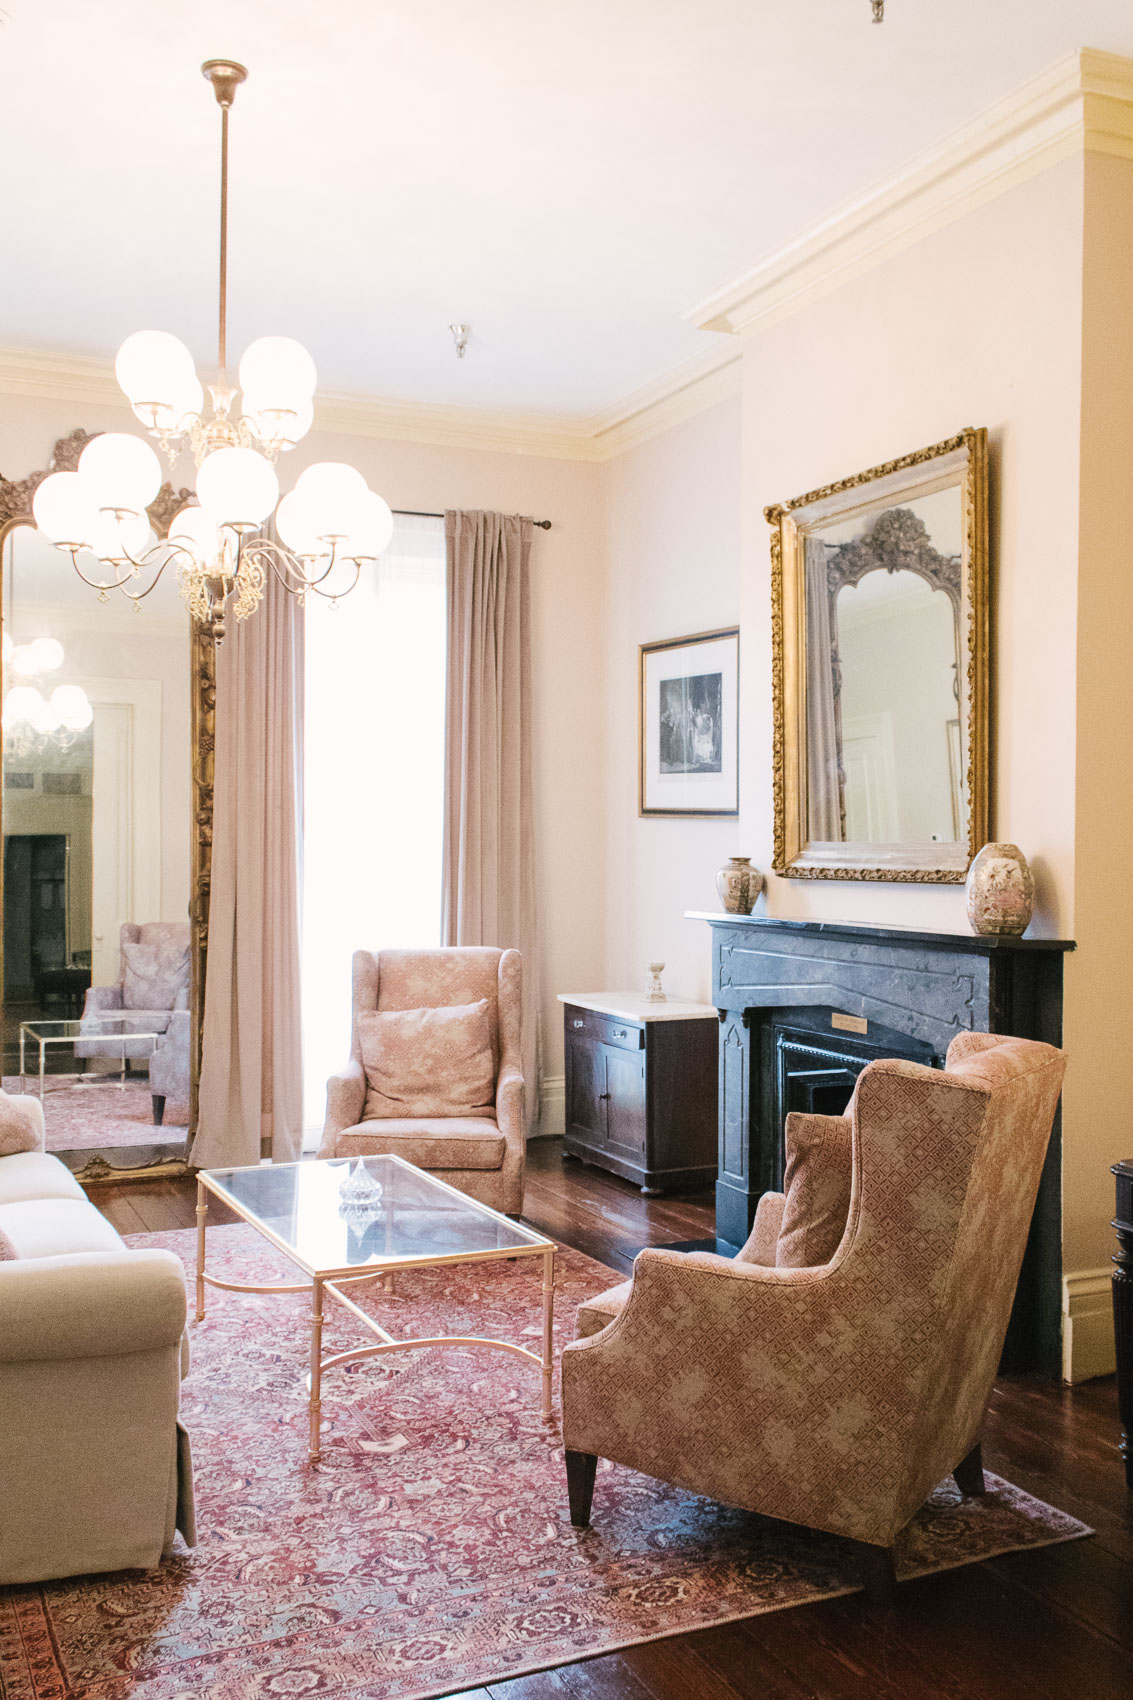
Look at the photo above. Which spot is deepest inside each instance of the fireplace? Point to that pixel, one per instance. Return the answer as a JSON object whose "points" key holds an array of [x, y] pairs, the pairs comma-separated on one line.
{"points": [[805, 1005]]}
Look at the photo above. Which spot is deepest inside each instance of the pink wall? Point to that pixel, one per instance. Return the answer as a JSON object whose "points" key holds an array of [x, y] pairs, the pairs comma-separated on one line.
{"points": [[672, 547]]}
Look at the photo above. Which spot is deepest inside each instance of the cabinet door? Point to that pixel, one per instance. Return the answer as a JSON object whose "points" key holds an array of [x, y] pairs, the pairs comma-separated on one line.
{"points": [[625, 1101], [586, 1112]]}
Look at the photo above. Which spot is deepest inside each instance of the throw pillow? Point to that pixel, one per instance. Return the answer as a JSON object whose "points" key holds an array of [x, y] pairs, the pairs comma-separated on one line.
{"points": [[428, 1062], [8, 1252], [817, 1187], [153, 975], [21, 1124]]}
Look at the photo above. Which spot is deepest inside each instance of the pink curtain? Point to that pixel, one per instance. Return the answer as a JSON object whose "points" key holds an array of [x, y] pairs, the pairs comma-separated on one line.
{"points": [[489, 856], [251, 1089]]}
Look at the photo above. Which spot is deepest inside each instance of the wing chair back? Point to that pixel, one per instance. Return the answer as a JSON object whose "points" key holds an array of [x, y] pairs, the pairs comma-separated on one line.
{"points": [[434, 979], [171, 937], [946, 1171]]}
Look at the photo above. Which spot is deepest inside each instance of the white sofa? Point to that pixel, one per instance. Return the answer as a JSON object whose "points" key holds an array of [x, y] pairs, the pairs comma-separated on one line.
{"points": [[94, 1468]]}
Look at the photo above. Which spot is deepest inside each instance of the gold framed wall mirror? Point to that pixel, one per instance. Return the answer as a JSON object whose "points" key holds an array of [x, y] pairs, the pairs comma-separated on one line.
{"points": [[880, 670], [107, 817]]}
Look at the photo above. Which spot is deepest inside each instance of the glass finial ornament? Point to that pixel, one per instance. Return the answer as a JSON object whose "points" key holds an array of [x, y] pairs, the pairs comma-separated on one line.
{"points": [[219, 547]]}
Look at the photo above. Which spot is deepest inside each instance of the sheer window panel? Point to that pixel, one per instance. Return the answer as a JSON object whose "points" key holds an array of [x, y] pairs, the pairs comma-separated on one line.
{"points": [[374, 784]]}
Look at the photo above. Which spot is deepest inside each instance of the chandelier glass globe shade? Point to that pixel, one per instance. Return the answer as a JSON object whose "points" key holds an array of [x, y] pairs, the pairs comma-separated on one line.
{"points": [[194, 530], [297, 522], [334, 494], [120, 471], [121, 538], [278, 371], [64, 510], [46, 654], [73, 707], [155, 367], [275, 424], [372, 529], [21, 705], [238, 487], [47, 717]]}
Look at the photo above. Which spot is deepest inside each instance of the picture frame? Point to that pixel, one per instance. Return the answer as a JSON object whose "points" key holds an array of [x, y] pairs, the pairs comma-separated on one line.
{"points": [[689, 725]]}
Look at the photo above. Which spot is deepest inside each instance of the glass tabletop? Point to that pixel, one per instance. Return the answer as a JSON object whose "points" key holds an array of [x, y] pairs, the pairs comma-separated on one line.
{"points": [[339, 1214], [90, 1027]]}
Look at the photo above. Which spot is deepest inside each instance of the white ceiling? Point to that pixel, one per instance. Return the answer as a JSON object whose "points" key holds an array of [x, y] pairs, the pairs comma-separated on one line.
{"points": [[569, 176]]}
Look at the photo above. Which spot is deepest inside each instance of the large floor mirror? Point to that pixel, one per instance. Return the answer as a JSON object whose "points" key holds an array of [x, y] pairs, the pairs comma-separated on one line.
{"points": [[97, 852]]}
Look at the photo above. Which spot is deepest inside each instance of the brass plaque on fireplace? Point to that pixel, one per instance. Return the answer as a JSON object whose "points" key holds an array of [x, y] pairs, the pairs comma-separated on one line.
{"points": [[849, 1023]]}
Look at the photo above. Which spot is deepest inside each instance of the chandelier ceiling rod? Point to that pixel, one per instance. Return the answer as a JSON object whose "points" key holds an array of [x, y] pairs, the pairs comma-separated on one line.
{"points": [[225, 75]]}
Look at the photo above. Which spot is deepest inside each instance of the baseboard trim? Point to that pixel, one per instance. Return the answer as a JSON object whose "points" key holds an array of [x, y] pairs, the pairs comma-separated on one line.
{"points": [[552, 1107], [1087, 1325]]}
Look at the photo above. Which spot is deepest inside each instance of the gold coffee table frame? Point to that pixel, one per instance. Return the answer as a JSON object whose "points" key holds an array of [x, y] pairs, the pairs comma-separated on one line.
{"points": [[323, 1281]]}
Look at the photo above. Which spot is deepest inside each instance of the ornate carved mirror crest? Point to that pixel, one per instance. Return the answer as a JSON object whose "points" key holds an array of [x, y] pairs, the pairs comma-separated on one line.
{"points": [[880, 617]]}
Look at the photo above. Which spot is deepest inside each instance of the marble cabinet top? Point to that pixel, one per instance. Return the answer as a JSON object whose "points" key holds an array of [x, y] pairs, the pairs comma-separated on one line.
{"points": [[633, 1006]]}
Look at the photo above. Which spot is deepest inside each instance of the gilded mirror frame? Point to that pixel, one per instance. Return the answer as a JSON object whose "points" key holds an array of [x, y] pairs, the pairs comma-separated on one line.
{"points": [[959, 461], [16, 510]]}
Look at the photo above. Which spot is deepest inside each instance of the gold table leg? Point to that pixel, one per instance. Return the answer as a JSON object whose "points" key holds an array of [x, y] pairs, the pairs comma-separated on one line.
{"points": [[548, 1327], [202, 1212], [316, 1367]]}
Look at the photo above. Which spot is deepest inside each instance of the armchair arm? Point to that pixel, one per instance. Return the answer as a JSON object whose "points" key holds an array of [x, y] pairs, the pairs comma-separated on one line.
{"points": [[346, 1096], [100, 1000], [177, 1034], [509, 1105], [90, 1305]]}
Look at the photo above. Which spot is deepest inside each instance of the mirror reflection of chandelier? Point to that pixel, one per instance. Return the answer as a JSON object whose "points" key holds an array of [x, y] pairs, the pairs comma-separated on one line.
{"points": [[31, 719], [326, 529]]}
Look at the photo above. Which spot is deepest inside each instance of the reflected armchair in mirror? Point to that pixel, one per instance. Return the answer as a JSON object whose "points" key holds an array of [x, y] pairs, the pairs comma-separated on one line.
{"points": [[880, 665]]}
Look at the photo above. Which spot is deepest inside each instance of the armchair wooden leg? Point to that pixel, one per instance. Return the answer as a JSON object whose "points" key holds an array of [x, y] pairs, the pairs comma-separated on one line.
{"points": [[969, 1473], [876, 1572], [158, 1108], [580, 1469]]}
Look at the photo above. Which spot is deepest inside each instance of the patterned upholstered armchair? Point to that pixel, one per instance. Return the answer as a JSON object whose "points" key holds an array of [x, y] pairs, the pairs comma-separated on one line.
{"points": [[482, 1154], [836, 1396], [153, 982]]}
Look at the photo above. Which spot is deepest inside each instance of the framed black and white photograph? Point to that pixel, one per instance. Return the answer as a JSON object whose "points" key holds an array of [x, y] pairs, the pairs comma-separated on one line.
{"points": [[689, 725]]}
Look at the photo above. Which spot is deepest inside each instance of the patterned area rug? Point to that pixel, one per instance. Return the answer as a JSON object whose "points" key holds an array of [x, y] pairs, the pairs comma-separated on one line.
{"points": [[430, 1550], [91, 1118]]}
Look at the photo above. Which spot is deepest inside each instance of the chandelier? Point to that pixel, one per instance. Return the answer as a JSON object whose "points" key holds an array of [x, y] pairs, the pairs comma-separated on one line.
{"points": [[32, 720], [325, 530]]}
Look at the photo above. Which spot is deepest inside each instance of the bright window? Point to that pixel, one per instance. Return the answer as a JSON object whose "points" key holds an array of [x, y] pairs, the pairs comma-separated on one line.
{"points": [[374, 783]]}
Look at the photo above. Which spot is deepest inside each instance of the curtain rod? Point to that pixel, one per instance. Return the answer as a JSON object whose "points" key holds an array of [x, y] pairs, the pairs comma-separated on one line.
{"points": [[415, 513]]}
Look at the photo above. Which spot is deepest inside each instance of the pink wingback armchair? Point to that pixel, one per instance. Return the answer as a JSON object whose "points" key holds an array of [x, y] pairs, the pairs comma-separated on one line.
{"points": [[482, 1155], [836, 1397]]}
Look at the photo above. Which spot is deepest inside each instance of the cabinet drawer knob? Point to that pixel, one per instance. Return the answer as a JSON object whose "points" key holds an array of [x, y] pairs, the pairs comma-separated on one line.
{"points": [[580, 1024], [602, 1095], [619, 1032]]}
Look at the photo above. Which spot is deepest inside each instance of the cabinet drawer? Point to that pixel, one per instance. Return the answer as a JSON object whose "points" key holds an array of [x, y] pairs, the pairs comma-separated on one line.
{"points": [[588, 1024]]}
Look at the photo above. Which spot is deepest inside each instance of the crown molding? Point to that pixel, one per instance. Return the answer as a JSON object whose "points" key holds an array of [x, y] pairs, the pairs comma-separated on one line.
{"points": [[1082, 104], [684, 391], [681, 393]]}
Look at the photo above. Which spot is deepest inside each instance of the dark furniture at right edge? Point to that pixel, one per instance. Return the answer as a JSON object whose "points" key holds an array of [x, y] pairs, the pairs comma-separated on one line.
{"points": [[1123, 1310]]}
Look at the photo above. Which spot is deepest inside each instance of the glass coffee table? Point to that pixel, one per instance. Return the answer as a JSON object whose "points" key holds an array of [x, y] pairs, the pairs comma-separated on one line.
{"points": [[344, 1221], [110, 1031]]}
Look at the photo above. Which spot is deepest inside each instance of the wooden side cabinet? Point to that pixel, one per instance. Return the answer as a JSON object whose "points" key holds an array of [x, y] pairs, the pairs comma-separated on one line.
{"points": [[641, 1088]]}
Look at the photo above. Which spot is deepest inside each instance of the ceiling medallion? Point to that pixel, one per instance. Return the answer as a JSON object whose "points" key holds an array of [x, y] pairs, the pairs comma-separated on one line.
{"points": [[326, 529]]}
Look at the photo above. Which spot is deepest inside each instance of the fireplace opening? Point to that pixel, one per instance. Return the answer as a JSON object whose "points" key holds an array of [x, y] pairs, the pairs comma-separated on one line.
{"points": [[810, 1060]]}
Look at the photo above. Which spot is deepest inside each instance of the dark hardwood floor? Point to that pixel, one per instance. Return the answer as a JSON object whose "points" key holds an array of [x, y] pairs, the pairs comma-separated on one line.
{"points": [[1050, 1625]]}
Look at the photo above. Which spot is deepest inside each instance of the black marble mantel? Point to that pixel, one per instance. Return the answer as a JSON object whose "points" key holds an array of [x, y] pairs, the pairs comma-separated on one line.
{"points": [[903, 990]]}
